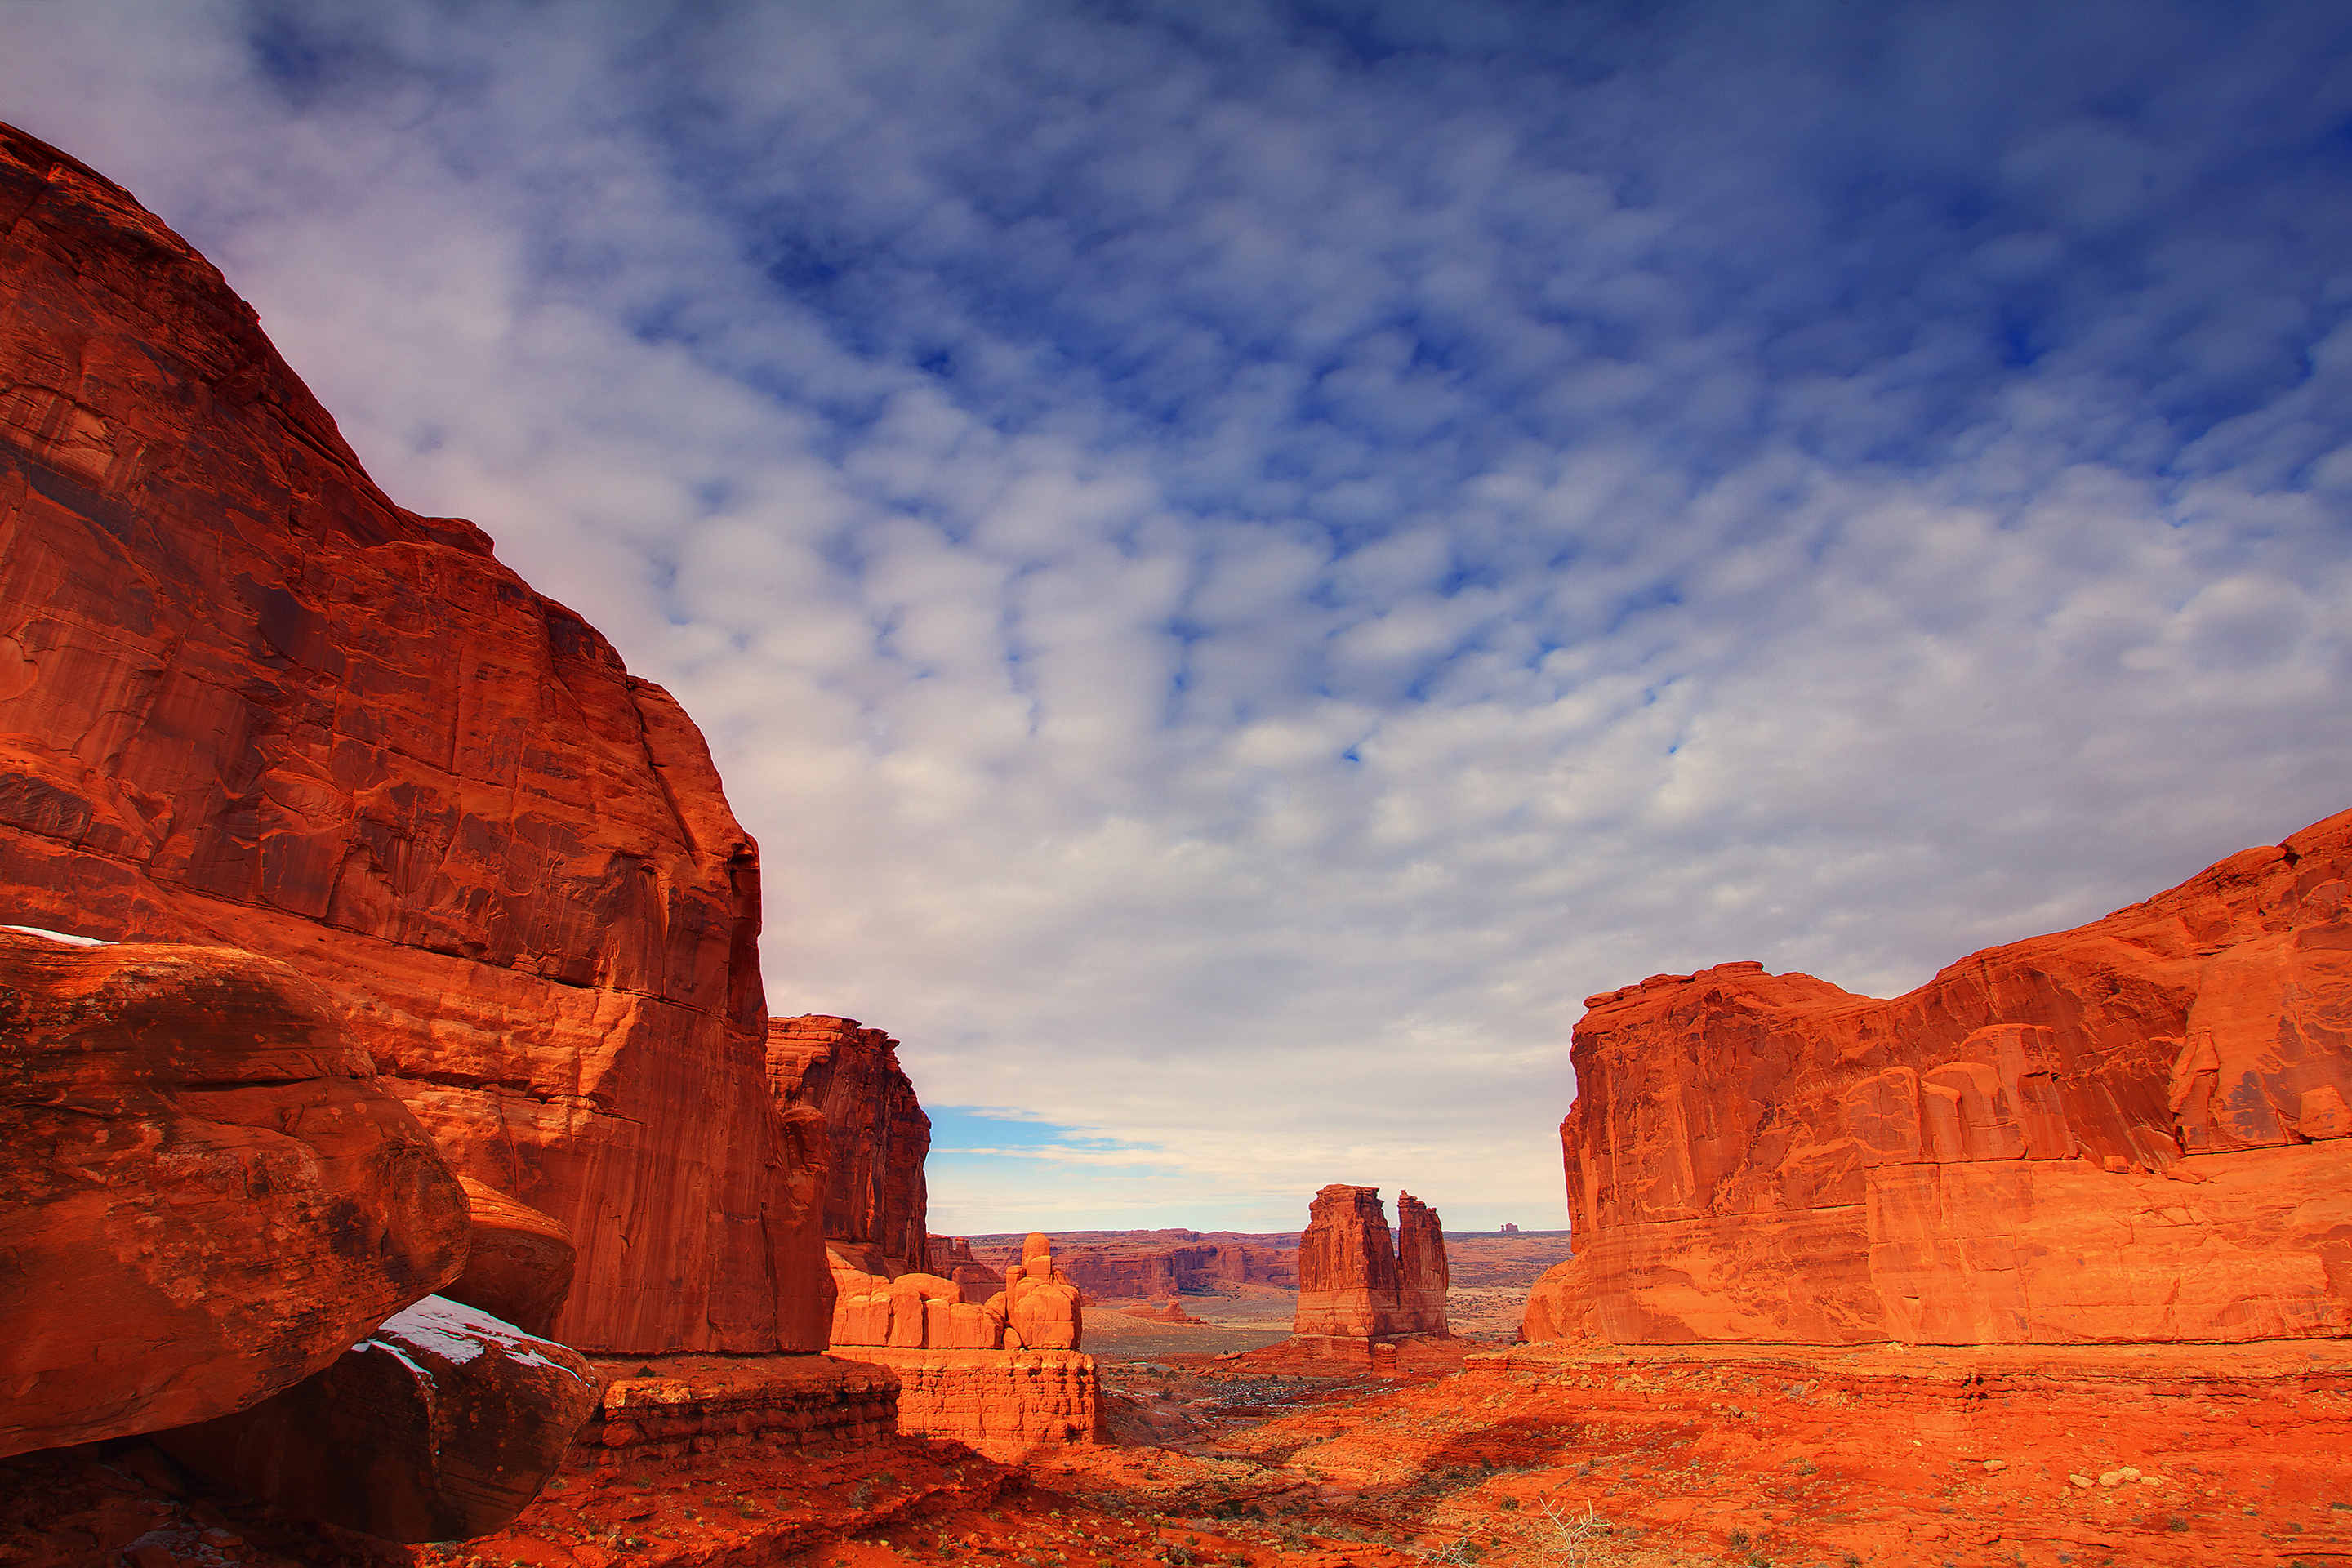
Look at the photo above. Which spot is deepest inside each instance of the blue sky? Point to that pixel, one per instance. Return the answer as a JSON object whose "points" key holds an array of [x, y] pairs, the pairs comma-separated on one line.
{"points": [[1242, 559]]}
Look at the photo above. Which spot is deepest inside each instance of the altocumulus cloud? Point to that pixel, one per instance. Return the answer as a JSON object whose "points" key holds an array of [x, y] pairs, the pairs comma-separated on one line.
{"points": [[1240, 559]]}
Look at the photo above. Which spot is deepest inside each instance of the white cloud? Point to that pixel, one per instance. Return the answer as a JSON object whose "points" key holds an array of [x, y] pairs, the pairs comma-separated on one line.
{"points": [[1767, 482]]}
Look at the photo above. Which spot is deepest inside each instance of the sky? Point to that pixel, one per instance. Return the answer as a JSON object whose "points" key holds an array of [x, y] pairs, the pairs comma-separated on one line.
{"points": [[1240, 559]]}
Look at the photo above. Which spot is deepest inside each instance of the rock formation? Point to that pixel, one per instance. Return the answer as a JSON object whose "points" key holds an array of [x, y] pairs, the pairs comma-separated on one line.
{"points": [[520, 1264], [1041, 1309], [205, 1193], [1348, 1268], [1006, 1405], [1146, 1265], [876, 1136], [246, 699], [953, 1257], [1422, 1274], [441, 1424], [2133, 1131]]}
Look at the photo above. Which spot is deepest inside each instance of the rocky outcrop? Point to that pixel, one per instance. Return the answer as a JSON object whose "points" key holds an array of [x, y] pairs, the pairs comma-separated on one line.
{"points": [[518, 1265], [2131, 1132], [1038, 1308], [246, 699], [1421, 1275], [1348, 1268], [952, 1256], [206, 1194], [441, 1424], [1006, 1405], [876, 1136], [1042, 1308], [675, 1407]]}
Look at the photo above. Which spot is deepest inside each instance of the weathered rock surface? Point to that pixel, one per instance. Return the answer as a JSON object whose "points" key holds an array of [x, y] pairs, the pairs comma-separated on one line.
{"points": [[518, 1265], [205, 1193], [1006, 1405], [1421, 1275], [679, 1407], [2129, 1131], [952, 1256], [876, 1136], [1143, 1265], [1348, 1268], [442, 1425], [246, 699], [1042, 1308]]}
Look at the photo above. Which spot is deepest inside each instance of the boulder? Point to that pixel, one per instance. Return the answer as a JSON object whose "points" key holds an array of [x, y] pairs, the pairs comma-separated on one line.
{"points": [[1041, 1307], [206, 1193], [519, 1262], [246, 699], [2128, 1132], [1421, 1275], [876, 1135], [442, 1425], [1348, 1268]]}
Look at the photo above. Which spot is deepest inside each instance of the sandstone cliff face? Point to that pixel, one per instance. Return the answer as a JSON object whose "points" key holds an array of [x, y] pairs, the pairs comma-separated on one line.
{"points": [[876, 1136], [2134, 1130], [1422, 1274], [244, 698], [1348, 1268]]}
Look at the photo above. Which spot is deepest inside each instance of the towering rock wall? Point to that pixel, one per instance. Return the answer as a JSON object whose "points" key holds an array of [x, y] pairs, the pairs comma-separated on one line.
{"points": [[246, 699], [2133, 1131], [1422, 1274], [1348, 1268], [876, 1136]]}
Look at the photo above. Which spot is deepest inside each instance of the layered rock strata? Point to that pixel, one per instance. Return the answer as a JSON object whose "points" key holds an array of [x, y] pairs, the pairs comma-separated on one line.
{"points": [[440, 1425], [246, 699], [207, 1193], [2131, 1132], [876, 1136], [1006, 1405], [1348, 1268], [953, 1257], [678, 1407]]}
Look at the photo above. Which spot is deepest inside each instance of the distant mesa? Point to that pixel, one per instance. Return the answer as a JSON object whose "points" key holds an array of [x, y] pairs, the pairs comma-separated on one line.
{"points": [[2136, 1132], [1507, 1228]]}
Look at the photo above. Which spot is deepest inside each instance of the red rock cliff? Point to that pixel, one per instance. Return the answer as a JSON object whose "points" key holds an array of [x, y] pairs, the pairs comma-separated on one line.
{"points": [[1348, 1268], [1985, 1160], [245, 699], [1423, 1278], [876, 1135]]}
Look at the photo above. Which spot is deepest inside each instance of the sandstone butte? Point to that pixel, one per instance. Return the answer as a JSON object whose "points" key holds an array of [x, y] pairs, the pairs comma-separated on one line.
{"points": [[877, 1137], [1350, 1282], [2132, 1131], [246, 700]]}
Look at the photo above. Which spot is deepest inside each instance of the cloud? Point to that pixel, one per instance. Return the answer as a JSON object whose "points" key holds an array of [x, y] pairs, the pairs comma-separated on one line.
{"points": [[1241, 562]]}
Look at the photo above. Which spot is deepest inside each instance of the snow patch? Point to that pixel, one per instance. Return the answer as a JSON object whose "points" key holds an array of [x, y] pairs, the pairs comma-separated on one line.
{"points": [[69, 940], [457, 1333]]}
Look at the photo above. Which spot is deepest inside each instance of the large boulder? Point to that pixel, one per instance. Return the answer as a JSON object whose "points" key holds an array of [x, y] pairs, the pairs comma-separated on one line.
{"points": [[440, 1425], [519, 1263], [2133, 1131], [246, 699], [207, 1193]]}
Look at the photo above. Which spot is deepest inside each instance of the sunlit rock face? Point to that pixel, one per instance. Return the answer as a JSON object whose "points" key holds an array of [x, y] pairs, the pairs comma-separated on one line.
{"points": [[245, 699], [876, 1135], [206, 1192], [2136, 1131], [1348, 1268]]}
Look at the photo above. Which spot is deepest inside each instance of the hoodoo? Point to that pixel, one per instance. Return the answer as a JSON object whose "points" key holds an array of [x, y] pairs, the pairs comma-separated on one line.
{"points": [[1422, 1276], [246, 700], [1348, 1268], [2136, 1131]]}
